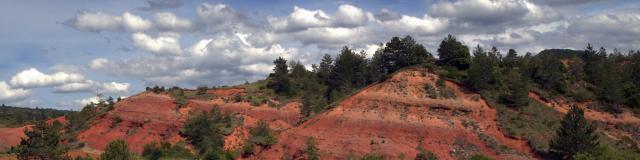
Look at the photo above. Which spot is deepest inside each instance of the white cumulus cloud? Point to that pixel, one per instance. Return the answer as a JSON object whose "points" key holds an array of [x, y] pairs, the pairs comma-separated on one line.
{"points": [[31, 78], [8, 94], [169, 21], [161, 45], [93, 87], [100, 21], [300, 19]]}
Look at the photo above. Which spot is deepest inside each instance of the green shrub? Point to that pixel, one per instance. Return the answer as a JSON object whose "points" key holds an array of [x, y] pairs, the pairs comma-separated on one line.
{"points": [[259, 135], [606, 152], [373, 156], [425, 155], [43, 141], [430, 91], [115, 121], [237, 98], [311, 150], [117, 150], [206, 130], [479, 157], [165, 150]]}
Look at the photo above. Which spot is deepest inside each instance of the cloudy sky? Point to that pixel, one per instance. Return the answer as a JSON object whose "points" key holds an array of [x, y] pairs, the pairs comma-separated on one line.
{"points": [[61, 54]]}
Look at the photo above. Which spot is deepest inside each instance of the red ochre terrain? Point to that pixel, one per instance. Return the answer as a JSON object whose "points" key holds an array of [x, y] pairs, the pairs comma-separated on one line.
{"points": [[395, 117], [391, 118]]}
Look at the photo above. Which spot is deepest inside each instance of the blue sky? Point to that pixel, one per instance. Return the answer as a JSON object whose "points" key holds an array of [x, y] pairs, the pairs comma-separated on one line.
{"points": [[61, 54]]}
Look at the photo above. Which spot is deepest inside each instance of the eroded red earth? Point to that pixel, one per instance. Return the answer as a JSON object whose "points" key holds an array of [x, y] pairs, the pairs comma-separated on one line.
{"points": [[391, 118]]}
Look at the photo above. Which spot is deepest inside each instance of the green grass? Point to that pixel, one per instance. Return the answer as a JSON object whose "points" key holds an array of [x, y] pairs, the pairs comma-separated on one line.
{"points": [[535, 122]]}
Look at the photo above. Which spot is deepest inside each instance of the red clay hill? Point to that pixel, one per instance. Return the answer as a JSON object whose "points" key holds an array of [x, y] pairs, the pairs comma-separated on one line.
{"points": [[412, 109]]}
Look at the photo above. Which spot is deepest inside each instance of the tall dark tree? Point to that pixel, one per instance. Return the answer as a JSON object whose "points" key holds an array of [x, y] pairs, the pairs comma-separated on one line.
{"points": [[517, 89], [43, 142], [511, 60], [575, 135], [418, 54], [405, 52], [632, 89], [483, 71], [349, 70], [398, 53], [324, 69], [117, 150], [549, 73], [380, 64], [280, 79], [453, 53], [298, 70]]}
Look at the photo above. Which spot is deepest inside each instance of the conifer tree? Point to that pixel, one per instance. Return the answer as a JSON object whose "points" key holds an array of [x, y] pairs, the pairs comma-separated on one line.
{"points": [[482, 73], [43, 141], [517, 89], [117, 150], [324, 69], [575, 135], [280, 82], [549, 73], [453, 53]]}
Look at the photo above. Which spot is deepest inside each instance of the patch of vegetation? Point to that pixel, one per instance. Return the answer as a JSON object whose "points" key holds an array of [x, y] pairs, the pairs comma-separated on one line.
{"points": [[115, 121], [179, 97], [574, 136], [424, 154], [206, 131], [606, 152], [534, 122], [430, 91], [463, 149], [260, 135], [373, 156], [311, 150], [117, 150], [44, 141], [479, 157], [16, 116], [165, 150]]}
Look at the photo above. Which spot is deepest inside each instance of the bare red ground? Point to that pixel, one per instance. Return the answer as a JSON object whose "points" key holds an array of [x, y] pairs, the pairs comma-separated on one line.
{"points": [[10, 137], [146, 118], [392, 117], [149, 117], [226, 91]]}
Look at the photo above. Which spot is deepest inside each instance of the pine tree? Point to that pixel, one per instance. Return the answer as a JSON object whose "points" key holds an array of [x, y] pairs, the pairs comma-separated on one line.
{"points": [[517, 85], [453, 53], [324, 69], [280, 82], [483, 71], [349, 70], [117, 150], [43, 142], [575, 135], [549, 72], [511, 60]]}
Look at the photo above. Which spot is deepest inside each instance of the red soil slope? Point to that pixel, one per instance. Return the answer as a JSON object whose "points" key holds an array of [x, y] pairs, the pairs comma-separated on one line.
{"points": [[393, 118], [11, 137], [145, 118], [611, 121], [148, 117]]}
